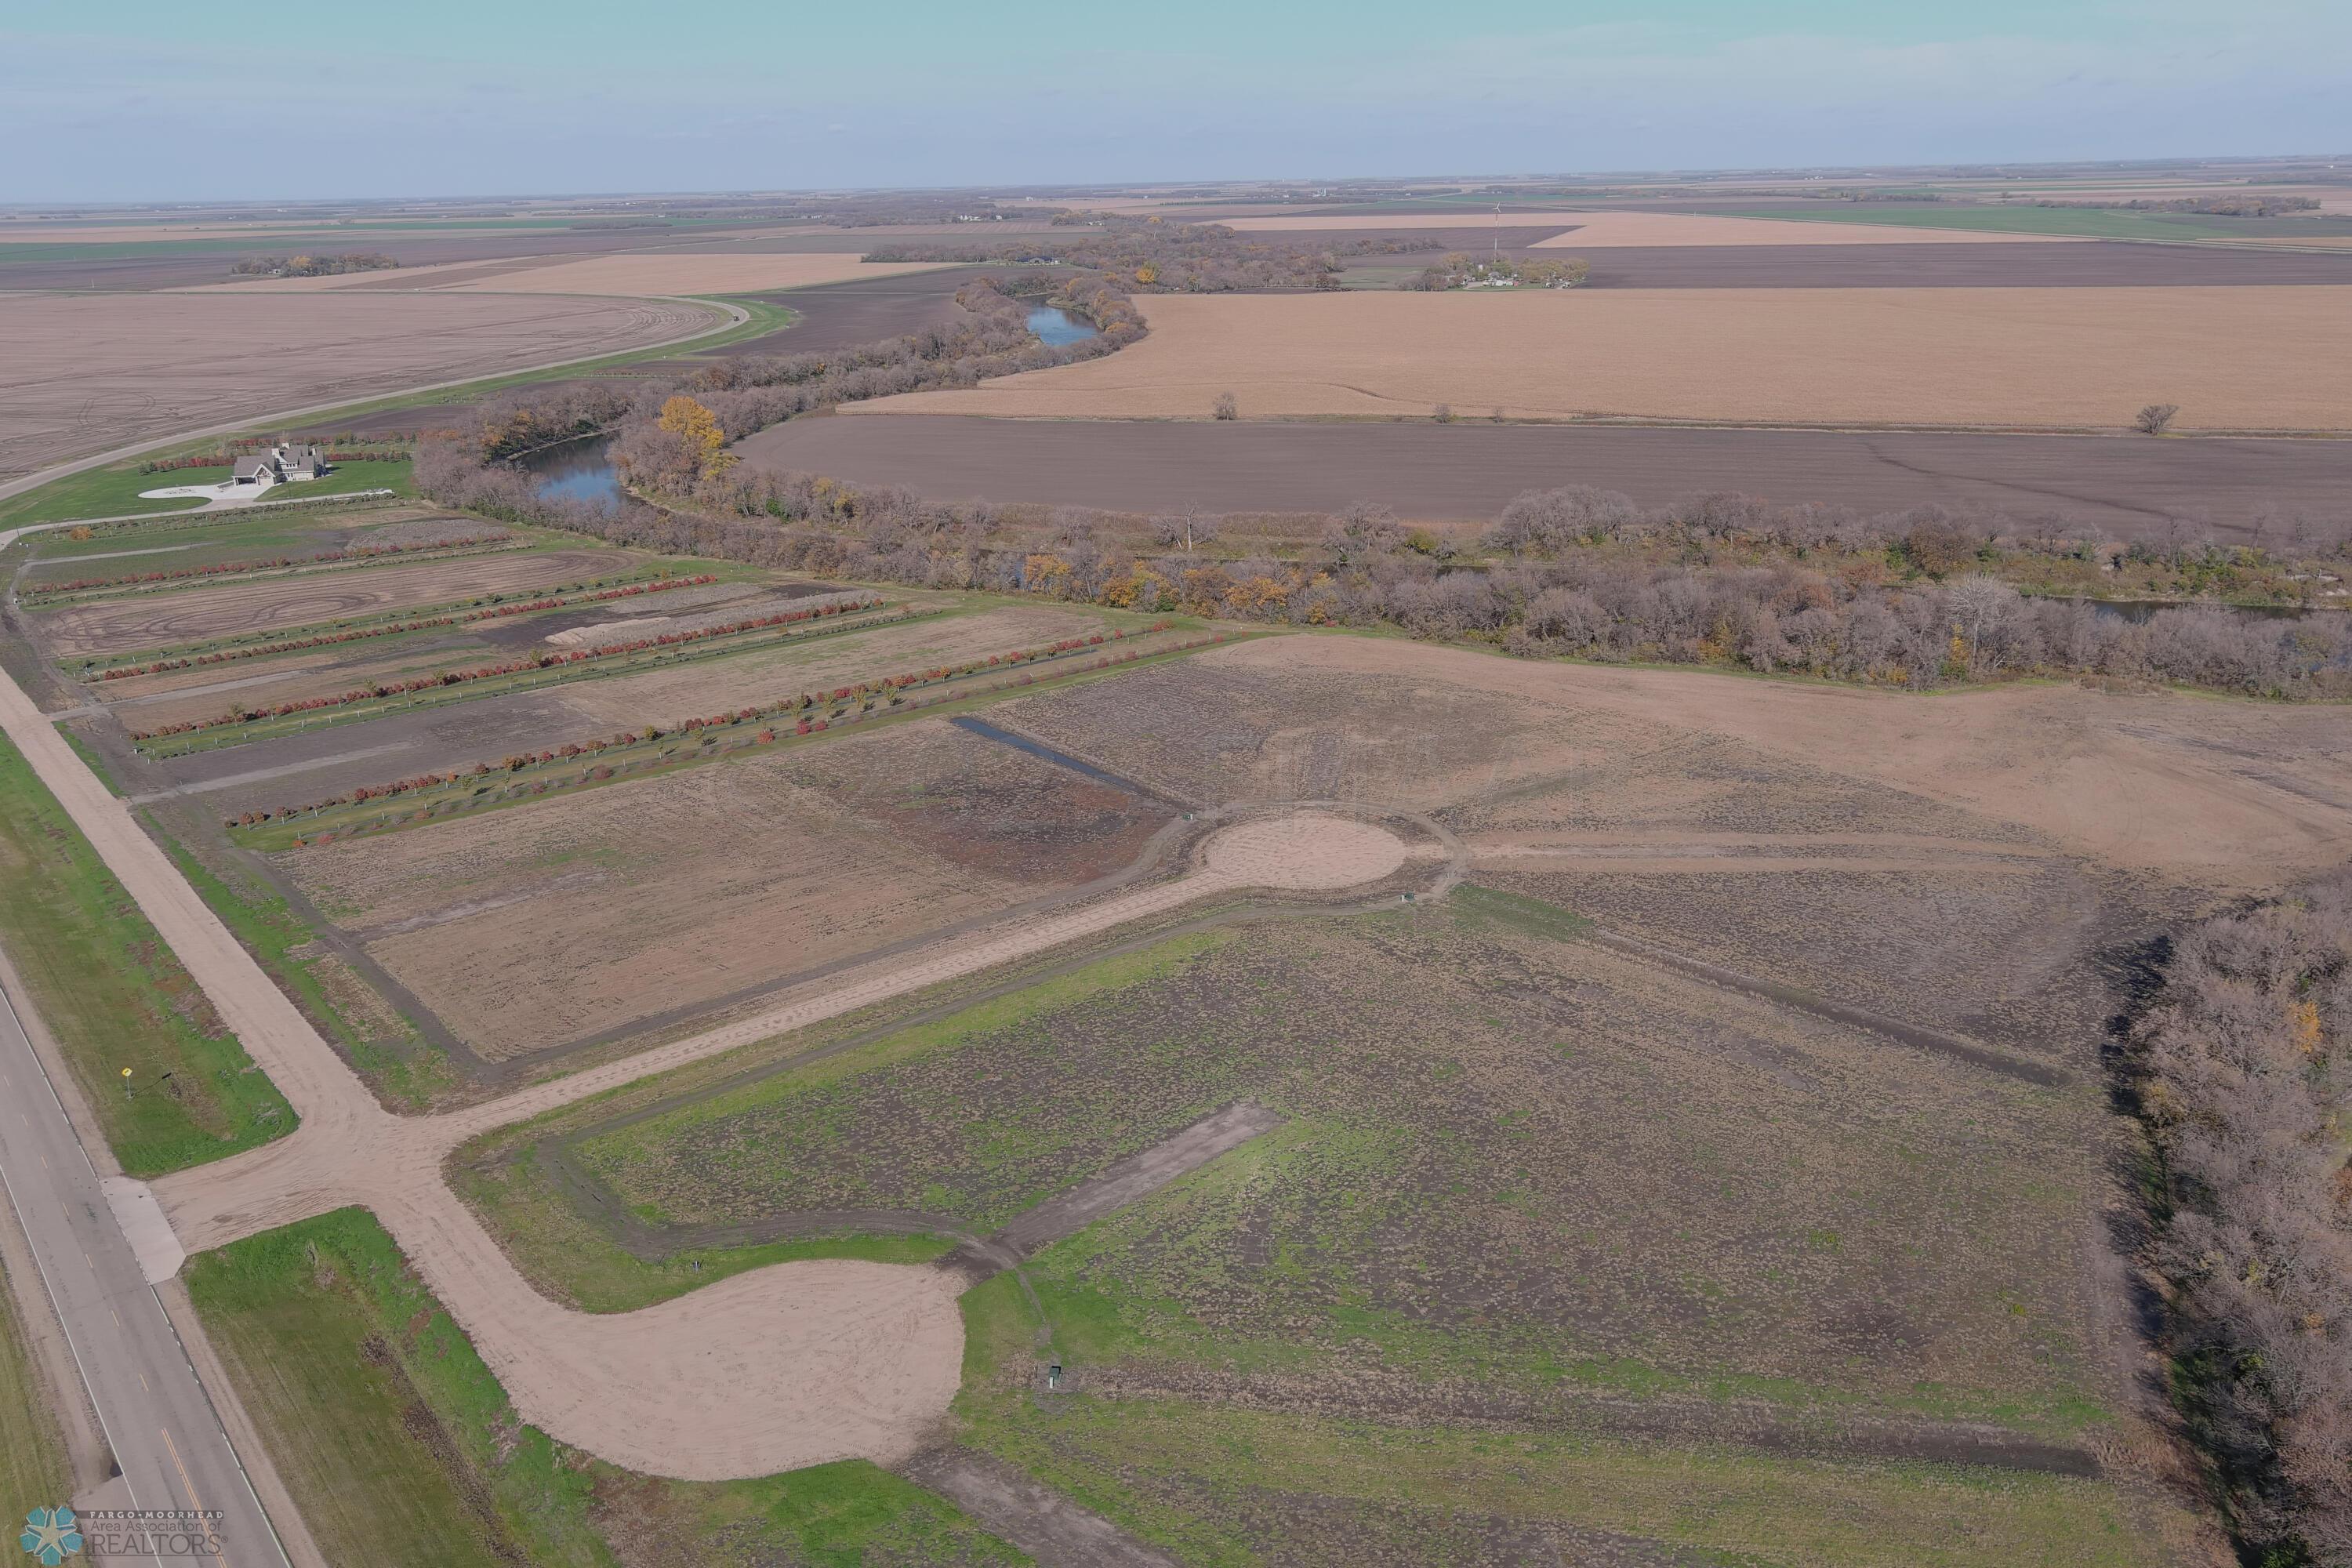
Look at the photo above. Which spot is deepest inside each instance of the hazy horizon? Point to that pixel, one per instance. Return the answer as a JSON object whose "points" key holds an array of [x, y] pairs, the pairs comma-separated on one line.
{"points": [[159, 105]]}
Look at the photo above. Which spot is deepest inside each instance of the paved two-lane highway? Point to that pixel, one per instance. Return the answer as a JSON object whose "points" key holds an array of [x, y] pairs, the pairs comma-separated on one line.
{"points": [[156, 1416]]}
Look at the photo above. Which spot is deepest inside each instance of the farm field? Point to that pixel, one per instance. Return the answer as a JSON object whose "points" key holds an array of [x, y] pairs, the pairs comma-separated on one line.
{"points": [[663, 272], [2092, 264], [2004, 358], [600, 914], [88, 373], [1592, 230], [1824, 1015], [2125, 487]]}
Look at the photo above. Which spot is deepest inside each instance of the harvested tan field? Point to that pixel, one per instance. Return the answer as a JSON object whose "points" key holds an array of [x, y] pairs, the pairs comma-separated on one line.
{"points": [[2232, 358], [84, 374], [715, 686], [732, 271], [1595, 230], [2214, 794], [193, 614], [671, 273], [526, 929]]}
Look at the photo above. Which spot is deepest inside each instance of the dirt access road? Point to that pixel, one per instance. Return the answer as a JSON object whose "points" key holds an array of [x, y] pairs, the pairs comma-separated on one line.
{"points": [[787, 1366]]}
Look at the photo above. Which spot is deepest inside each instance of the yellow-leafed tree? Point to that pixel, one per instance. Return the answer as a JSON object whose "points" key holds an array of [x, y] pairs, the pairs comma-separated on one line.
{"points": [[699, 426]]}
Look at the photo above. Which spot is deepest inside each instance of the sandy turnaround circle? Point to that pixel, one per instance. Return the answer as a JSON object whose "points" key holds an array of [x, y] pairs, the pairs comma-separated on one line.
{"points": [[1304, 850]]}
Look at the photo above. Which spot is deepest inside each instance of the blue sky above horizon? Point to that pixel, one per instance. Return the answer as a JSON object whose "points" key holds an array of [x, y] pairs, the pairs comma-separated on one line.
{"points": [[141, 101]]}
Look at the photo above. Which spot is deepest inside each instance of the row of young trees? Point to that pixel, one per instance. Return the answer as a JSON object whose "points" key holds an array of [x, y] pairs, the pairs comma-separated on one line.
{"points": [[2242, 1073]]}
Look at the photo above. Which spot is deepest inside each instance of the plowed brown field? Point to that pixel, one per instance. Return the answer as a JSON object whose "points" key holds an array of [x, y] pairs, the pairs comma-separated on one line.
{"points": [[84, 374]]}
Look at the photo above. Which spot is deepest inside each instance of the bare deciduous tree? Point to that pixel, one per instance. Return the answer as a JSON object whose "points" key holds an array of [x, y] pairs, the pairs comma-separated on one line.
{"points": [[2156, 419]]}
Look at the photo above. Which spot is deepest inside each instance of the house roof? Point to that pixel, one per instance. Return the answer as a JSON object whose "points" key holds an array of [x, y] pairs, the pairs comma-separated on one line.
{"points": [[252, 468]]}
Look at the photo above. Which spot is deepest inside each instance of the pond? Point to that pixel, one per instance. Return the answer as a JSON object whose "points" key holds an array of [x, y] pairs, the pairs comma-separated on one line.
{"points": [[1055, 327], [576, 470]]}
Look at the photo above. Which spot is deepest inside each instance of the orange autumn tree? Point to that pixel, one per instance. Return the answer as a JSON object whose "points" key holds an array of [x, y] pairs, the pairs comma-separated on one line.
{"points": [[697, 425]]}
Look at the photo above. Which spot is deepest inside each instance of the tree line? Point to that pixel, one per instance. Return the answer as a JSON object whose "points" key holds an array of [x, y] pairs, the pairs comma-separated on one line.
{"points": [[2241, 1072], [1558, 581], [1150, 255]]}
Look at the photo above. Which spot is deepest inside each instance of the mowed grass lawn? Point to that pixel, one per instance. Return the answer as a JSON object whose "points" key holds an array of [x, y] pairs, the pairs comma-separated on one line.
{"points": [[113, 491], [32, 1455], [402, 1449], [115, 998]]}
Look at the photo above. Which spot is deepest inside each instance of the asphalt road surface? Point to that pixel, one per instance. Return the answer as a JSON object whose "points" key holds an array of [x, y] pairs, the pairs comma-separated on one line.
{"points": [[162, 1427]]}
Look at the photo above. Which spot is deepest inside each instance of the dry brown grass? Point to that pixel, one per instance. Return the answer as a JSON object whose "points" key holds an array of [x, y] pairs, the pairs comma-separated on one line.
{"points": [[193, 614], [526, 930], [2232, 358], [85, 373]]}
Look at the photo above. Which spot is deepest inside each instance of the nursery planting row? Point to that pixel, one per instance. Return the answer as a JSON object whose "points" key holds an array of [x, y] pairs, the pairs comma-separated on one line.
{"points": [[274, 563]]}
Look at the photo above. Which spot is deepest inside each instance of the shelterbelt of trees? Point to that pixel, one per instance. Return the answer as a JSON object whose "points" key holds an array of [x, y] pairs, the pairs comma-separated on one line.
{"points": [[1908, 599], [2242, 1072], [1153, 256]]}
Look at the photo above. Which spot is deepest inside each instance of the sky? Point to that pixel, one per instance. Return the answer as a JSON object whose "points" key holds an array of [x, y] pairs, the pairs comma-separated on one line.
{"points": [[141, 101]]}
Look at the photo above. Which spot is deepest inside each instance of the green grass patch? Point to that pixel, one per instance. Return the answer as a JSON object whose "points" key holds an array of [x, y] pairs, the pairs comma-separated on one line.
{"points": [[115, 996], [33, 1466], [1488, 907], [400, 1446], [113, 491], [574, 1259], [1018, 1170], [1223, 1486]]}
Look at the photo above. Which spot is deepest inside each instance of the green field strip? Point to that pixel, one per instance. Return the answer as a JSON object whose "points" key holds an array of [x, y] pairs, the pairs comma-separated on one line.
{"points": [[115, 998]]}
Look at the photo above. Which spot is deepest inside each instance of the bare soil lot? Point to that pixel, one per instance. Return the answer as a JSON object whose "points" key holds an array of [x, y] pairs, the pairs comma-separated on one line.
{"points": [[85, 373], [2000, 358], [189, 614], [532, 928], [2194, 791], [2122, 486]]}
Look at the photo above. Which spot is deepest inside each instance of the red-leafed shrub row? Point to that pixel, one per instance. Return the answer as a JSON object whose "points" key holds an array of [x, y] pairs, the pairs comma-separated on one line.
{"points": [[550, 660], [806, 724], [225, 568], [359, 633]]}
